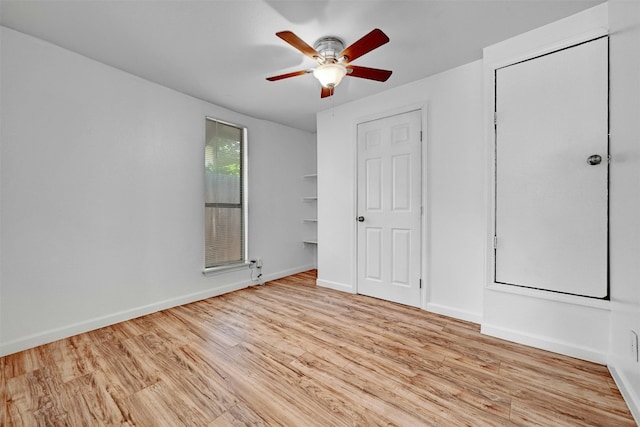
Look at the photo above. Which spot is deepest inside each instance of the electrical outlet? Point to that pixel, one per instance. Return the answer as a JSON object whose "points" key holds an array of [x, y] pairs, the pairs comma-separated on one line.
{"points": [[634, 346]]}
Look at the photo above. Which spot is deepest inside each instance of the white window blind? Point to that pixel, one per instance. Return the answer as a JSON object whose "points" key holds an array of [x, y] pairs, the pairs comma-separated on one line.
{"points": [[225, 222]]}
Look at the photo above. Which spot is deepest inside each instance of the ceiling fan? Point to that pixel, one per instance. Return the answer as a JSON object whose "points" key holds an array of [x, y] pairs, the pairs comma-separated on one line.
{"points": [[334, 60]]}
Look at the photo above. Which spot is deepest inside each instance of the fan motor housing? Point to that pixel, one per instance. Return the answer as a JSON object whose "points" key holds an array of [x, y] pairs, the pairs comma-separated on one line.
{"points": [[329, 47]]}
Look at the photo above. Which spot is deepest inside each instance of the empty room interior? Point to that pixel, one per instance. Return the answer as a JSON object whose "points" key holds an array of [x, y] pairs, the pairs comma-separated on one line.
{"points": [[322, 212]]}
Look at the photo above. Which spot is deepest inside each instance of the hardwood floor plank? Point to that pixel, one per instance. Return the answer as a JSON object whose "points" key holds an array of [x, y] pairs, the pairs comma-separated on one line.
{"points": [[270, 390], [237, 416], [307, 398], [441, 399], [554, 414], [36, 394], [86, 402], [293, 354], [372, 396], [431, 385], [599, 399], [157, 405], [127, 373], [183, 378]]}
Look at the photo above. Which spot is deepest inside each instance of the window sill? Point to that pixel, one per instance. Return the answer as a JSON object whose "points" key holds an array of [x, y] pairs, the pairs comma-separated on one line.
{"points": [[225, 268]]}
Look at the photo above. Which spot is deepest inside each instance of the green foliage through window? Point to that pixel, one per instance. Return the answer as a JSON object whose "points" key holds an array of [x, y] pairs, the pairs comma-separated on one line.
{"points": [[223, 156]]}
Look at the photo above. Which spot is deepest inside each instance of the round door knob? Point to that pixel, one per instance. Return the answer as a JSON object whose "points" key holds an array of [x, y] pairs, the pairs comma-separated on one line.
{"points": [[594, 160], [360, 219]]}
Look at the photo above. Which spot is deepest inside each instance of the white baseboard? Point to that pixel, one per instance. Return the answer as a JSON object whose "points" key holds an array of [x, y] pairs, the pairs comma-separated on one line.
{"points": [[545, 343], [285, 273], [624, 385], [454, 312], [52, 335], [335, 286]]}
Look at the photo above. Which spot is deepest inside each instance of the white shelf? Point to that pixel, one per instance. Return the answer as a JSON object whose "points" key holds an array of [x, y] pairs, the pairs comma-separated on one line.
{"points": [[310, 228]]}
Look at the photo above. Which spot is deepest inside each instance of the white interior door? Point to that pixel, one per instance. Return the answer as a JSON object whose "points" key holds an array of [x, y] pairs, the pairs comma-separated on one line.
{"points": [[389, 208], [551, 203]]}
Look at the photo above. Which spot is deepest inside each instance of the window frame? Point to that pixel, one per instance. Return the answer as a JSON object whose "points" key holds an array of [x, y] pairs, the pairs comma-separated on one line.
{"points": [[244, 159]]}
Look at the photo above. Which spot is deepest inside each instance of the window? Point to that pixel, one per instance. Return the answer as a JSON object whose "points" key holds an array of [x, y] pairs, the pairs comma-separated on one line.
{"points": [[224, 199]]}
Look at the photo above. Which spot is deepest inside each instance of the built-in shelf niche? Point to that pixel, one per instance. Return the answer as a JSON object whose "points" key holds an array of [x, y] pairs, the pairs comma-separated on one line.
{"points": [[311, 222]]}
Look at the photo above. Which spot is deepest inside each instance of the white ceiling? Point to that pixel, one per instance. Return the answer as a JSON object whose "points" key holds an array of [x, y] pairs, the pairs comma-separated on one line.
{"points": [[222, 51]]}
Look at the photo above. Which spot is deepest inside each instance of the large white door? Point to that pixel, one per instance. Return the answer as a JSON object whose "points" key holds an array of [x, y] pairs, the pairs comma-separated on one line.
{"points": [[389, 208], [552, 171]]}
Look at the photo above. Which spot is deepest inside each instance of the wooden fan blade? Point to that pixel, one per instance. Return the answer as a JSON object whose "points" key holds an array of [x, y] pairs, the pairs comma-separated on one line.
{"points": [[286, 76], [299, 44], [326, 92], [366, 44], [368, 73]]}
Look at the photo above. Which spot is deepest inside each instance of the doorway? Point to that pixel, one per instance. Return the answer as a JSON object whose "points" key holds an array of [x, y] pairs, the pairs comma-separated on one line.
{"points": [[389, 208]]}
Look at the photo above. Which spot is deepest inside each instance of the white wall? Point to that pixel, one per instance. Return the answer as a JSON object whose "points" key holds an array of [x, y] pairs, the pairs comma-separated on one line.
{"points": [[576, 326], [624, 18], [102, 195], [454, 171]]}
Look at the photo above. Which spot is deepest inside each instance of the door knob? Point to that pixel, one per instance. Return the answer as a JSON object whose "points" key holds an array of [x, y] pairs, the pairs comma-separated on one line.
{"points": [[360, 219], [594, 160]]}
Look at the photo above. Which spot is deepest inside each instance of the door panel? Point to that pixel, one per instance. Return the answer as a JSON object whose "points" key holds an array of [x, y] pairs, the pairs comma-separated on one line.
{"points": [[551, 205], [389, 200], [373, 184], [401, 248], [401, 183], [373, 260]]}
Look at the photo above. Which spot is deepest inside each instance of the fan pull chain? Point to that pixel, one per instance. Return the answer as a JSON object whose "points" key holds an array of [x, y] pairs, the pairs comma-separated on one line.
{"points": [[333, 102]]}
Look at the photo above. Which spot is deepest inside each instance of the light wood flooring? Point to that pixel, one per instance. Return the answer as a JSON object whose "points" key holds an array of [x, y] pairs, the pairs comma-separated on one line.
{"points": [[293, 354]]}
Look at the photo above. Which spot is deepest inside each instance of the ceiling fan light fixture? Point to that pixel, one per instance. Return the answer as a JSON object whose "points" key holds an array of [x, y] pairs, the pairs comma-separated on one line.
{"points": [[335, 60], [330, 75]]}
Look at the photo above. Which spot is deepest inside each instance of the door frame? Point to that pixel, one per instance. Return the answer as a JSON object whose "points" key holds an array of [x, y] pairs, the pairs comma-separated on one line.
{"points": [[424, 220], [490, 68]]}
